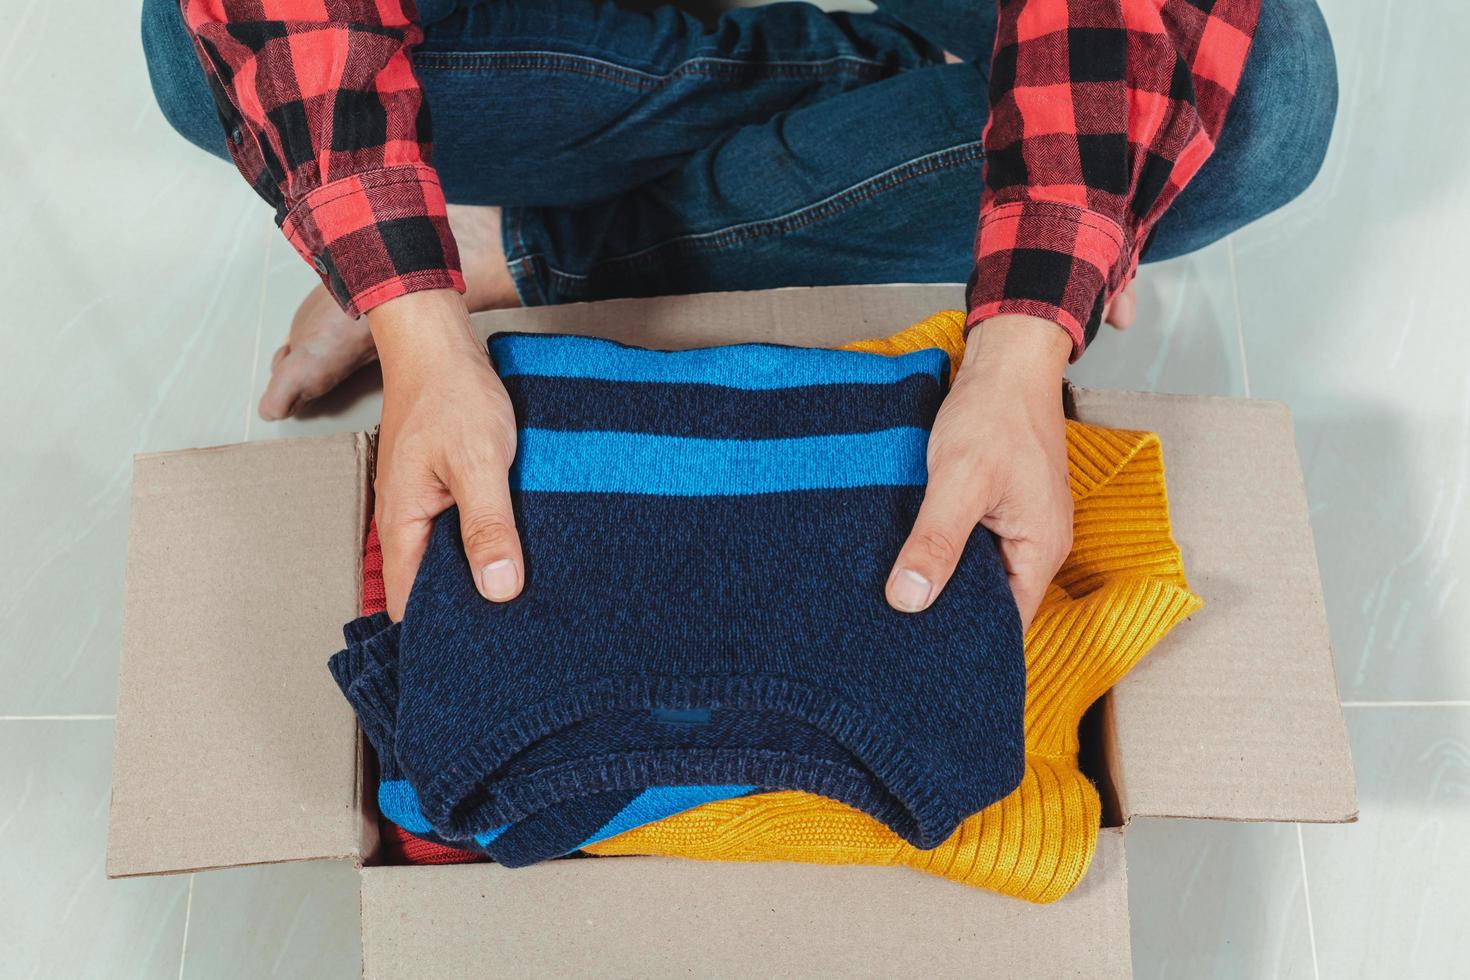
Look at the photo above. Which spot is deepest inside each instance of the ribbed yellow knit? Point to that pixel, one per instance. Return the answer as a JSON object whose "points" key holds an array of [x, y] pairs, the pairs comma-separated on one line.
{"points": [[1121, 589]]}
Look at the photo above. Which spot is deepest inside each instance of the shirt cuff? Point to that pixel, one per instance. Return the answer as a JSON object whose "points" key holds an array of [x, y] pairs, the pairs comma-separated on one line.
{"points": [[1048, 260], [377, 235]]}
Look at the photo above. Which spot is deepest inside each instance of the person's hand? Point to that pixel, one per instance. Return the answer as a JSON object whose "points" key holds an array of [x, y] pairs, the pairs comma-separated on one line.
{"points": [[448, 437], [997, 457]]}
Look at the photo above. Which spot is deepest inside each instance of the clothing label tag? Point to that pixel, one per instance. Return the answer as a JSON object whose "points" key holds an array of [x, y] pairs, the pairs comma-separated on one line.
{"points": [[681, 716]]}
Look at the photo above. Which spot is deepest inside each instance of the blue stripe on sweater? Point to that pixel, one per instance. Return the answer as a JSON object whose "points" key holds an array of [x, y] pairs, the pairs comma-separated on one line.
{"points": [[752, 367], [399, 803], [657, 802], [550, 461], [484, 839]]}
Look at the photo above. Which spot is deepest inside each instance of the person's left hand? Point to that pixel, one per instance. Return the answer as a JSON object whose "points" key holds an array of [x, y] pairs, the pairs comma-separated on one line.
{"points": [[997, 457]]}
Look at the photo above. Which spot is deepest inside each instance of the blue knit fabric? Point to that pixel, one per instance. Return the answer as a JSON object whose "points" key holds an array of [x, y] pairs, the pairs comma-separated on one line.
{"points": [[707, 535], [558, 830], [365, 671]]}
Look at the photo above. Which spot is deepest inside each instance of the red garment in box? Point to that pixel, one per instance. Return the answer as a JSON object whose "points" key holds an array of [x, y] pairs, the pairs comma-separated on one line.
{"points": [[401, 847]]}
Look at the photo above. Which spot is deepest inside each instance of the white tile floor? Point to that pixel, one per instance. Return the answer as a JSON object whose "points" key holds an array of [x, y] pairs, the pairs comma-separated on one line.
{"points": [[145, 291]]}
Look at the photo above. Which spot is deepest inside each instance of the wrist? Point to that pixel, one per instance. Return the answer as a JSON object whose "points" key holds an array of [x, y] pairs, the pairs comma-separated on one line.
{"points": [[1026, 345], [418, 327]]}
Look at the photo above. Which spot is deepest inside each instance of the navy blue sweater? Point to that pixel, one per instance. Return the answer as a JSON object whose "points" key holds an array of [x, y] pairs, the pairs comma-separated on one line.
{"points": [[707, 536]]}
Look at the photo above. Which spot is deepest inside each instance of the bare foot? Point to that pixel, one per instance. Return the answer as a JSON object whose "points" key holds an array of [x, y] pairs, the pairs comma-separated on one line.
{"points": [[1121, 312], [325, 345]]}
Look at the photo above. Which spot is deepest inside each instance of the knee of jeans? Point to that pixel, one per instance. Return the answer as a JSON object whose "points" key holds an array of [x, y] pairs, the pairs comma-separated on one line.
{"points": [[179, 84], [1275, 136], [1289, 99]]}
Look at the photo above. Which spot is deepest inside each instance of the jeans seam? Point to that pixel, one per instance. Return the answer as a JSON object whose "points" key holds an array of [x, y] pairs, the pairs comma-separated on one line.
{"points": [[795, 220], [701, 67], [522, 266]]}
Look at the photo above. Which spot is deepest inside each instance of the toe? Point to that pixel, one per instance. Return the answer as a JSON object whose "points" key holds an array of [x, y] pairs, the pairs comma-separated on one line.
{"points": [[304, 375], [284, 390], [324, 347], [1123, 309]]}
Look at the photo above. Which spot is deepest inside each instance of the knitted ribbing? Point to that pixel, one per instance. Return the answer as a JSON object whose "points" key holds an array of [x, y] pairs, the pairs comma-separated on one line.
{"points": [[1120, 591], [398, 846]]}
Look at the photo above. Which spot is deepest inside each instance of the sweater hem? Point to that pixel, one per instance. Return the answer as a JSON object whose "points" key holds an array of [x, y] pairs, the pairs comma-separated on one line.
{"points": [[465, 798]]}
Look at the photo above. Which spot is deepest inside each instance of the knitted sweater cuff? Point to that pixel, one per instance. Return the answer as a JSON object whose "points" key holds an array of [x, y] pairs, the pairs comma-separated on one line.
{"points": [[367, 673]]}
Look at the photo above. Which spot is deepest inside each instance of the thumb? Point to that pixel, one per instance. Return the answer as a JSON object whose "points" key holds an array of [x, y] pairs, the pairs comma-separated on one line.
{"points": [[487, 525], [950, 511]]}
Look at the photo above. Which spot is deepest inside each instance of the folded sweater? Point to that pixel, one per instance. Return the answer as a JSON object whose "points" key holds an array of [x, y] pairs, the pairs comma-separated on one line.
{"points": [[1120, 591], [553, 832], [707, 535]]}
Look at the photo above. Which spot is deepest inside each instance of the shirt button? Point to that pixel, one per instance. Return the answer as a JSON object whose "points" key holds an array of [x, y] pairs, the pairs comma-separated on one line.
{"points": [[319, 265], [237, 136]]}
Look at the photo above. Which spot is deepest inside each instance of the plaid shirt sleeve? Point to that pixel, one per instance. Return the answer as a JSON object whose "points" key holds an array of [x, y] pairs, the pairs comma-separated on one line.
{"points": [[1101, 111], [326, 121]]}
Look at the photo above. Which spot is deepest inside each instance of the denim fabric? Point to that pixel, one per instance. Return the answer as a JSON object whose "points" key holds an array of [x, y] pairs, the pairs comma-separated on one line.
{"points": [[1275, 134], [648, 153]]}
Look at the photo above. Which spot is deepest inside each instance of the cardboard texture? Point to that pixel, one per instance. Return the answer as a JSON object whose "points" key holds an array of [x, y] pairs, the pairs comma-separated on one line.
{"points": [[660, 917], [1235, 716], [234, 747]]}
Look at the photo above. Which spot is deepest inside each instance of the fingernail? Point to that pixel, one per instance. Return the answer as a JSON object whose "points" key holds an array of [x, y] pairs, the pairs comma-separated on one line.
{"points": [[498, 580], [910, 590]]}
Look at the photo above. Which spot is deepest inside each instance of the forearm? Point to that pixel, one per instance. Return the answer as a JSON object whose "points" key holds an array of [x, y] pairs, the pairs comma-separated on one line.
{"points": [[1101, 111], [325, 119]]}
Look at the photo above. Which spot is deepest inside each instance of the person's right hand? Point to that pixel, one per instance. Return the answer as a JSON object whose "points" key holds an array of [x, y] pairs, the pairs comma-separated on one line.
{"points": [[448, 437], [997, 457]]}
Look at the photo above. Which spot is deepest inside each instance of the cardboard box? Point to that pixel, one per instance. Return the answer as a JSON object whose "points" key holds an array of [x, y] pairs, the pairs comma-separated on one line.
{"points": [[234, 747]]}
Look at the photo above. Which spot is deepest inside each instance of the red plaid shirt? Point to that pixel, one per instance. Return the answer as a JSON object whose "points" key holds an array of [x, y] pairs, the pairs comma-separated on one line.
{"points": [[327, 122], [1101, 112]]}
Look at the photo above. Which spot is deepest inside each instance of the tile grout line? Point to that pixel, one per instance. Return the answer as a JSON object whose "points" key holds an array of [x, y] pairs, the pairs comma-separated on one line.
{"points": [[184, 944], [57, 717], [1245, 377], [1406, 704], [1245, 370], [1301, 849], [265, 268]]}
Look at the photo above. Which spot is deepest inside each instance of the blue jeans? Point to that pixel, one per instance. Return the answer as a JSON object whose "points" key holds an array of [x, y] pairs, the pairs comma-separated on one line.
{"points": [[639, 154]]}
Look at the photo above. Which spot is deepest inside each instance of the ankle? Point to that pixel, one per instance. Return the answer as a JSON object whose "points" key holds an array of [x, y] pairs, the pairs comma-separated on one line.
{"points": [[489, 286], [488, 282]]}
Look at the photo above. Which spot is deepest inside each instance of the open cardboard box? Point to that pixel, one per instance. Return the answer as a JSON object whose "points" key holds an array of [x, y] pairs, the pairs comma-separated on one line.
{"points": [[234, 747]]}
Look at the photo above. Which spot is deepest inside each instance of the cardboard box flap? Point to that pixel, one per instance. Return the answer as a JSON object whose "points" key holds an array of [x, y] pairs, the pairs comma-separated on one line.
{"points": [[1236, 714], [823, 316], [234, 746], [591, 918]]}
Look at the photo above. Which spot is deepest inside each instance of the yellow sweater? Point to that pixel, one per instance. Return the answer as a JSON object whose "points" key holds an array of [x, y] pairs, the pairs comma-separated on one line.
{"points": [[1121, 589]]}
